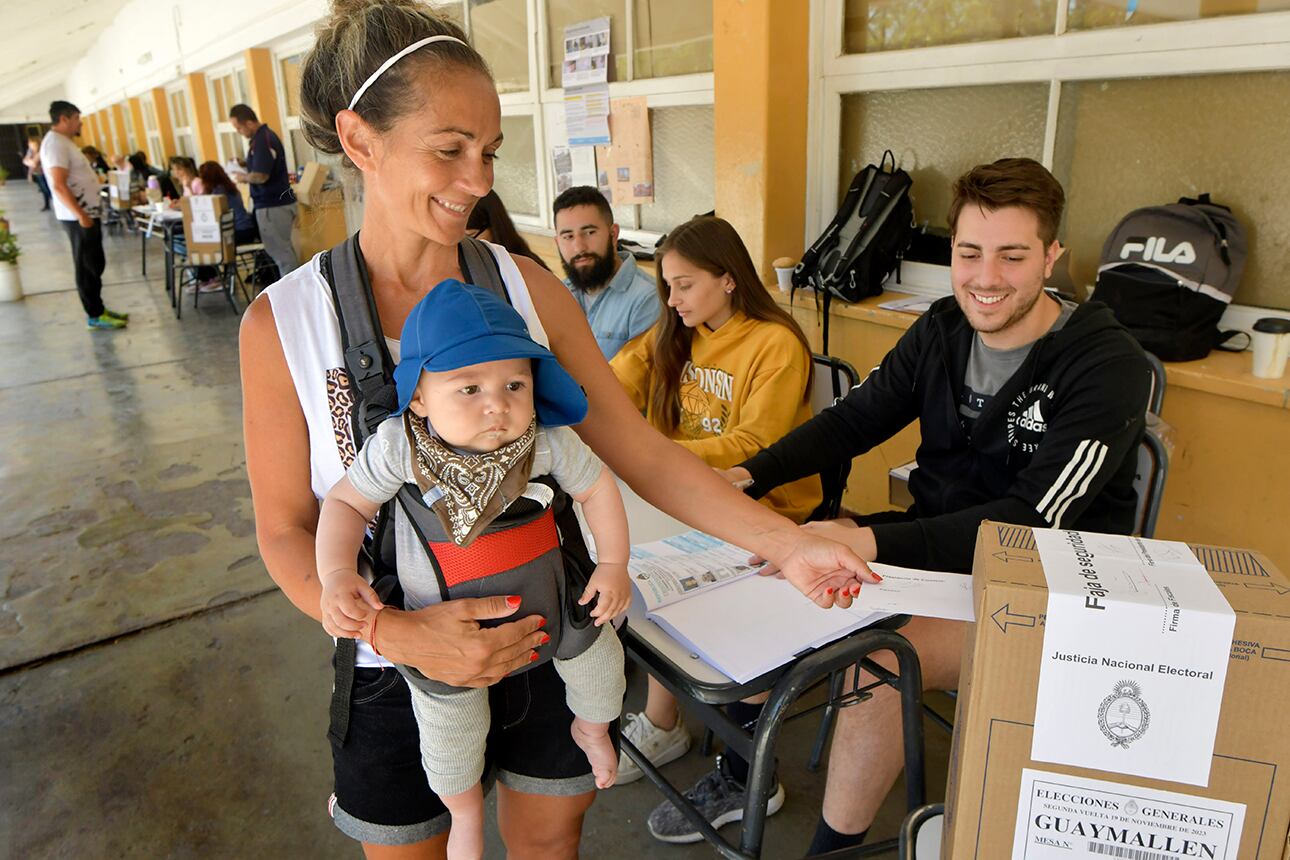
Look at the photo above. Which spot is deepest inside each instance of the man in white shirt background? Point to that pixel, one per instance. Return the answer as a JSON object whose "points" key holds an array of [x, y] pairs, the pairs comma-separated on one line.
{"points": [[75, 193]]}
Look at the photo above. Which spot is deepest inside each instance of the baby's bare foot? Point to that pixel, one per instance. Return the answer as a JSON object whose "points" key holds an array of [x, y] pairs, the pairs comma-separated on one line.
{"points": [[593, 739]]}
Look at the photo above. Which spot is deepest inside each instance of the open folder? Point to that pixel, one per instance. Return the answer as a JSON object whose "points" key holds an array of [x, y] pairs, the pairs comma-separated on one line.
{"points": [[706, 595]]}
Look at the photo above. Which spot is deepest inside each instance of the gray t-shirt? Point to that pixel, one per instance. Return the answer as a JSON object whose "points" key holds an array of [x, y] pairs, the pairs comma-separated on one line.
{"points": [[58, 150], [385, 465], [988, 369]]}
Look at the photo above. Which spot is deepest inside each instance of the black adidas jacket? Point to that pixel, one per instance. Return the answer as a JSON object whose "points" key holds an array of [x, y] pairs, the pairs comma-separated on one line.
{"points": [[1056, 447]]}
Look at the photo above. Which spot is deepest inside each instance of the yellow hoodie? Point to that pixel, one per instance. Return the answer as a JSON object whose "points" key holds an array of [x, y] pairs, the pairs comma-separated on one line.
{"points": [[744, 388]]}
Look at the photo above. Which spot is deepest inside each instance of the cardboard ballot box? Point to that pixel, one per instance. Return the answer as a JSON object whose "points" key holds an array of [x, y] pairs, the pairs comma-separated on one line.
{"points": [[204, 222], [1002, 802], [119, 189]]}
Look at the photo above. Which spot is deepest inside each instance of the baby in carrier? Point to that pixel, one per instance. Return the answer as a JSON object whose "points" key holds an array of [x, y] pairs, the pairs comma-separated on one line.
{"points": [[483, 412]]}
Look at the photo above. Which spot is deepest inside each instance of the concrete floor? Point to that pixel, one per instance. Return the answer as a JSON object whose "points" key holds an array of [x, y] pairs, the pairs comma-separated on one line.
{"points": [[158, 697]]}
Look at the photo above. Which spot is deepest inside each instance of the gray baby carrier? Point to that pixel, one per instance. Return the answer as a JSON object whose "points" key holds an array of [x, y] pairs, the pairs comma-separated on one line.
{"points": [[552, 565]]}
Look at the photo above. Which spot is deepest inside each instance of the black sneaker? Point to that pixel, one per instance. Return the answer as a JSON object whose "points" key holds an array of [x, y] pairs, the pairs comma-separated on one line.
{"points": [[719, 799]]}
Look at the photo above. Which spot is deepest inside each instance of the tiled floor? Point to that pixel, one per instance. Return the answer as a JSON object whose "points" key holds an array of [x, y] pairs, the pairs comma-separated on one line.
{"points": [[158, 697]]}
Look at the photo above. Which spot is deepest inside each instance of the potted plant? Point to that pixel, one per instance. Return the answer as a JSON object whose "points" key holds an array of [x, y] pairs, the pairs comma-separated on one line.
{"points": [[10, 284]]}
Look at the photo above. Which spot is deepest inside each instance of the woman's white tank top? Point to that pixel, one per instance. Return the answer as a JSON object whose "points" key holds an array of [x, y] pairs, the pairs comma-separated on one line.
{"points": [[309, 331]]}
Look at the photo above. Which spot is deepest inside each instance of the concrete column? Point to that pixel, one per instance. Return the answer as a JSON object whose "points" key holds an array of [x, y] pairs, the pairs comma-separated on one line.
{"points": [[264, 90], [199, 114], [164, 124], [761, 86]]}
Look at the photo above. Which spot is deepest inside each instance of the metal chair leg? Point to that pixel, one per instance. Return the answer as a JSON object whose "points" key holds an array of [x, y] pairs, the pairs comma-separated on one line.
{"points": [[827, 721]]}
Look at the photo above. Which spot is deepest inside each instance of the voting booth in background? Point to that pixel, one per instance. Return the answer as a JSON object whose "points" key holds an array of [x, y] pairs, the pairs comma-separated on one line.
{"points": [[1121, 697]]}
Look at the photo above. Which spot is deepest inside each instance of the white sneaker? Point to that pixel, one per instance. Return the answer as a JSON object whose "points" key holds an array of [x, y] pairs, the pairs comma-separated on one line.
{"points": [[660, 746]]}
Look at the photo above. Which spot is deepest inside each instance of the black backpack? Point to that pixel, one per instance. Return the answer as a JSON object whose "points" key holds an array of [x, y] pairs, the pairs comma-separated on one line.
{"points": [[1168, 273], [865, 241]]}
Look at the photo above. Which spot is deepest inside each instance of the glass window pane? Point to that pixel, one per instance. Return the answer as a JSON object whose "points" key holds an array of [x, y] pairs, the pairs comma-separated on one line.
{"points": [[179, 109], [149, 113], [673, 37], [132, 142], [241, 90], [303, 152], [515, 171], [1094, 14], [683, 173], [499, 30], [220, 86], [1112, 158], [890, 25], [291, 82], [563, 13], [184, 145], [232, 145], [939, 134]]}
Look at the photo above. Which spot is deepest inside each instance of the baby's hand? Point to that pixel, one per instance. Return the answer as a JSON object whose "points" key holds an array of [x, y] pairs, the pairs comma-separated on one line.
{"points": [[348, 604], [610, 586]]}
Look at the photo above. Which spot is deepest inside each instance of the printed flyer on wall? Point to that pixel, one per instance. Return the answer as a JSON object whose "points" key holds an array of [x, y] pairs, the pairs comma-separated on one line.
{"points": [[1066, 817]]}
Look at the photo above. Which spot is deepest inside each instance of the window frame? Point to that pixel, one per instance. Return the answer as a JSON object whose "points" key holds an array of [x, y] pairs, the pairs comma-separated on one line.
{"points": [[180, 88], [1252, 42], [222, 125]]}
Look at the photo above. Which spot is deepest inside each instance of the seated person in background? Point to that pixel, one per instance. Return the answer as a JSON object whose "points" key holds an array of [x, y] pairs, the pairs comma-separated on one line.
{"points": [[1031, 411], [490, 222], [138, 178], [211, 179], [96, 160], [724, 371], [184, 172], [618, 298], [139, 161]]}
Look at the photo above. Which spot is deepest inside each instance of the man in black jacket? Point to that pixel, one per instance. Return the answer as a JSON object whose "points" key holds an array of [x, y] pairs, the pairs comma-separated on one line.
{"points": [[1031, 411]]}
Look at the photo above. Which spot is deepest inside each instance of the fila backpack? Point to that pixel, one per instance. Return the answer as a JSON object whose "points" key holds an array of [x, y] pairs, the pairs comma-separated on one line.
{"points": [[1168, 273]]}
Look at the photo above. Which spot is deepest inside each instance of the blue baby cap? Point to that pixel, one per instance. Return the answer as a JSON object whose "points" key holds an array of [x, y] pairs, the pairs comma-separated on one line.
{"points": [[456, 325]]}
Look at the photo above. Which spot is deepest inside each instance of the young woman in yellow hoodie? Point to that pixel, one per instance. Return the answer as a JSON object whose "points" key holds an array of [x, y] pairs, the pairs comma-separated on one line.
{"points": [[725, 373]]}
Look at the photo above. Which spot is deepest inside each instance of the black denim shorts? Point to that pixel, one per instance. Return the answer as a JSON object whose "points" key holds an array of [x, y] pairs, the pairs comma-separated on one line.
{"points": [[381, 793]]}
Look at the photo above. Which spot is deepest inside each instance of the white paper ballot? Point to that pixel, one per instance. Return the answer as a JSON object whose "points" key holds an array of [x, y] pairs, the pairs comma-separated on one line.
{"points": [[929, 593], [1062, 817], [1135, 654]]}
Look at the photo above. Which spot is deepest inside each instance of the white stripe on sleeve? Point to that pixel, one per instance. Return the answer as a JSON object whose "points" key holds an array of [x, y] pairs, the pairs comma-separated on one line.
{"points": [[1062, 479], [1083, 486]]}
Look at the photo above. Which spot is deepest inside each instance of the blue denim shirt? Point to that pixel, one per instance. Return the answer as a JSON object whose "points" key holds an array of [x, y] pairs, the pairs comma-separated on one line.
{"points": [[627, 306]]}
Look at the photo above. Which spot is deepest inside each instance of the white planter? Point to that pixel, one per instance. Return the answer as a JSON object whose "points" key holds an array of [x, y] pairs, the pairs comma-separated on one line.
{"points": [[10, 283]]}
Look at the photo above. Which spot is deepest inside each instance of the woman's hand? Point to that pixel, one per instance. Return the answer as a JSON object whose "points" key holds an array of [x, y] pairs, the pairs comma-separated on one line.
{"points": [[446, 642], [828, 563]]}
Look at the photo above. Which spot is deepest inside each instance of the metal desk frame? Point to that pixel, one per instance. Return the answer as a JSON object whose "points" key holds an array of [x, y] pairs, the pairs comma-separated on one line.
{"points": [[786, 684]]}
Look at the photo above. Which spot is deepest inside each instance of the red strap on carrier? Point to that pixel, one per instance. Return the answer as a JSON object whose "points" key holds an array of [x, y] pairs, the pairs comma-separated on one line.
{"points": [[496, 552]]}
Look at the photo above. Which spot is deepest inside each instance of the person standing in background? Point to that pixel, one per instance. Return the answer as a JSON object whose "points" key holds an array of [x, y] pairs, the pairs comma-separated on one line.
{"points": [[76, 205], [31, 159], [275, 202]]}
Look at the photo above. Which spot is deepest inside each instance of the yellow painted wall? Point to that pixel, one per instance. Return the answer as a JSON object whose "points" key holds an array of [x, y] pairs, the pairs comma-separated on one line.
{"points": [[135, 107], [164, 125], [263, 97], [760, 89], [199, 114], [121, 145]]}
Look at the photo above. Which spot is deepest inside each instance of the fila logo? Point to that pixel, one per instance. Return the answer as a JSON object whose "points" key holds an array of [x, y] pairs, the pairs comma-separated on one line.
{"points": [[1153, 250], [1032, 419]]}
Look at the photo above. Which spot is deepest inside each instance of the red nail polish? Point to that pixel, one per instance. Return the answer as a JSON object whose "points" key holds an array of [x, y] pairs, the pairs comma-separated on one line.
{"points": [[541, 621], [546, 637], [877, 578], [828, 591], [513, 601], [533, 657]]}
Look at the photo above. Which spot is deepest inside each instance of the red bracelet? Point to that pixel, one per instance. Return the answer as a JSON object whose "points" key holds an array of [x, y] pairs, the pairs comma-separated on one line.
{"points": [[371, 636]]}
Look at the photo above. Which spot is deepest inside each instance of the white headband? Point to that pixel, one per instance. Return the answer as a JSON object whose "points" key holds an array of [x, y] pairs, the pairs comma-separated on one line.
{"points": [[385, 67]]}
